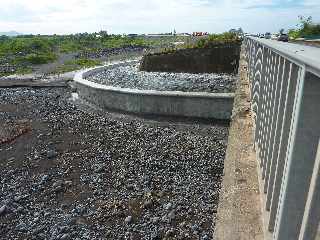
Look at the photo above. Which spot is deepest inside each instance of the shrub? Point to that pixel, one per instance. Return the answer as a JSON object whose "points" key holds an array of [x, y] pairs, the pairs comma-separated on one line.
{"points": [[306, 28], [85, 62], [40, 58], [35, 58], [217, 39]]}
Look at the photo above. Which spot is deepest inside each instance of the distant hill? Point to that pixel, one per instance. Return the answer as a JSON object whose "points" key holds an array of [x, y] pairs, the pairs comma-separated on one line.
{"points": [[10, 34]]}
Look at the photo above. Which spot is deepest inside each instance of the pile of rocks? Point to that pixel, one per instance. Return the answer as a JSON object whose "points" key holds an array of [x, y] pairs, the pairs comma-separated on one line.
{"points": [[129, 76], [89, 175], [102, 53], [7, 68]]}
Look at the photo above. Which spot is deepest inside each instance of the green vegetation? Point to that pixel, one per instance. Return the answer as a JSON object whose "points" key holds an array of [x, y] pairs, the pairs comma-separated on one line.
{"points": [[27, 50], [306, 29], [72, 65], [218, 39], [69, 43], [84, 62], [209, 41], [22, 52], [35, 58], [24, 70], [94, 42]]}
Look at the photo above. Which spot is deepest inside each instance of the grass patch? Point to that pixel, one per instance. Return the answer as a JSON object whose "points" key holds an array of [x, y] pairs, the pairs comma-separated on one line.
{"points": [[214, 40], [85, 62], [77, 64], [24, 70], [35, 58], [210, 41]]}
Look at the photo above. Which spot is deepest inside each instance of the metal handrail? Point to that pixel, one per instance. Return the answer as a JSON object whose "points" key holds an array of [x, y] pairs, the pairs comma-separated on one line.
{"points": [[285, 100], [302, 55]]}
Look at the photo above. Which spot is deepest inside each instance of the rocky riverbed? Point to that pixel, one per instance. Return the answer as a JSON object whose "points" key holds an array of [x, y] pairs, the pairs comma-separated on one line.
{"points": [[67, 172], [129, 76]]}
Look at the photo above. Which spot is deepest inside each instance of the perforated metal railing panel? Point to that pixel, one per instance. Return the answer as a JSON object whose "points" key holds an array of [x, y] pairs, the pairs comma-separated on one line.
{"points": [[285, 101]]}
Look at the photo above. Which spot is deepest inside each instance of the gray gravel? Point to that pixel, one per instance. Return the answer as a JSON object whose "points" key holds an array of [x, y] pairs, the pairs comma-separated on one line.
{"points": [[129, 76], [70, 173]]}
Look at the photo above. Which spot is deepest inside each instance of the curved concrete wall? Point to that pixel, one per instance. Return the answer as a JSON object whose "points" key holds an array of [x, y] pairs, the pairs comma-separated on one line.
{"points": [[169, 103]]}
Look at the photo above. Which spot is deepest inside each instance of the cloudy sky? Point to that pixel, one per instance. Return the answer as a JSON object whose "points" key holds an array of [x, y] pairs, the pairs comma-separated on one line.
{"points": [[152, 16]]}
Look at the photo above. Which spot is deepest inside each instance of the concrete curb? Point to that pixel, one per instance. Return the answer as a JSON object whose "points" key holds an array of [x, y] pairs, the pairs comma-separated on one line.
{"points": [[151, 102], [239, 215]]}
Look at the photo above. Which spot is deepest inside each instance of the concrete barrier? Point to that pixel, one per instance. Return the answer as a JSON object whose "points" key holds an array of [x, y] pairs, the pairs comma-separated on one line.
{"points": [[239, 215], [151, 102]]}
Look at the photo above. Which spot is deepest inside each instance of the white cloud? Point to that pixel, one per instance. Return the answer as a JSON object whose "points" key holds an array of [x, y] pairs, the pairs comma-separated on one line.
{"points": [[119, 16]]}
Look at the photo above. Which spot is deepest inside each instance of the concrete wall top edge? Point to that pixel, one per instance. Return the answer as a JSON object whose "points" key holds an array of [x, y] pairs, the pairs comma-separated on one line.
{"points": [[80, 79]]}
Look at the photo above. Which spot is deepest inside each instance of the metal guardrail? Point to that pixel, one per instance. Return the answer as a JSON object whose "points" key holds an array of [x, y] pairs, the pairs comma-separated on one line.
{"points": [[285, 93]]}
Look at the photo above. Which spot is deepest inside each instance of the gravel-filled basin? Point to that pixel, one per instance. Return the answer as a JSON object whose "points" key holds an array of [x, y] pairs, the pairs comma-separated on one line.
{"points": [[68, 172], [128, 76]]}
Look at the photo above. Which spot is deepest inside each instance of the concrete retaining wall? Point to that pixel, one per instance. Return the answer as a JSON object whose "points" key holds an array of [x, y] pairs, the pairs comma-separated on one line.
{"points": [[149, 102], [239, 215], [220, 59]]}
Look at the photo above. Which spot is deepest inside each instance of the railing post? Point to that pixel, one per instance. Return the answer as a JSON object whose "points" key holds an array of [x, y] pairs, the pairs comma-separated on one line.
{"points": [[311, 218], [285, 94], [302, 148], [289, 89]]}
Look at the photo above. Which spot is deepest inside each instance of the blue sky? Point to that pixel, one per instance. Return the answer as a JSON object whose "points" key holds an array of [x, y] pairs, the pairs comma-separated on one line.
{"points": [[152, 16]]}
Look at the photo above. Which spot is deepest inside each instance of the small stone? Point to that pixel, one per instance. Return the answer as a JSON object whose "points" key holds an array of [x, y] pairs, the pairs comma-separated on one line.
{"points": [[68, 183], [51, 154], [64, 229], [160, 194], [20, 209], [57, 186], [168, 206], [21, 227], [182, 224], [147, 203], [64, 205], [205, 237], [44, 178], [128, 219], [154, 235], [187, 235], [130, 186], [41, 236], [99, 169], [155, 219], [195, 227], [172, 215], [17, 198], [65, 236], [169, 233], [3, 210], [37, 230]]}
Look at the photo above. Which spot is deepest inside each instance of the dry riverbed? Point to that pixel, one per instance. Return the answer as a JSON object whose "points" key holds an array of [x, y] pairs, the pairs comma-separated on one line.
{"points": [[68, 172]]}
